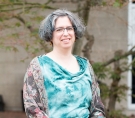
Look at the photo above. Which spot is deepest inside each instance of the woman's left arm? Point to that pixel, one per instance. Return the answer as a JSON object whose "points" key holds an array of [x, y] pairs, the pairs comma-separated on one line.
{"points": [[97, 108]]}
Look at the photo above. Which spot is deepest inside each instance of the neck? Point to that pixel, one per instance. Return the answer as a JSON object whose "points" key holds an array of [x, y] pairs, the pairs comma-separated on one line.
{"points": [[62, 54]]}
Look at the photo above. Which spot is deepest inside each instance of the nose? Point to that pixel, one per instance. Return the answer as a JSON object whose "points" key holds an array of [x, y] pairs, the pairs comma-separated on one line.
{"points": [[65, 32]]}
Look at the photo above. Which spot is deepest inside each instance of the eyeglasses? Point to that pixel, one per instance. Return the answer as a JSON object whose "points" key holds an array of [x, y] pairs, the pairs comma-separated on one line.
{"points": [[61, 30]]}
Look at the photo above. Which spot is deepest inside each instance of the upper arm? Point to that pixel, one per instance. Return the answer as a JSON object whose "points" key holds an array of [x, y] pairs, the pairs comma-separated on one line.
{"points": [[33, 106], [97, 107]]}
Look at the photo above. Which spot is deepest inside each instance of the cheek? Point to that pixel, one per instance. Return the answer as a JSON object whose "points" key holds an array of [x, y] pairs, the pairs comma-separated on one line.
{"points": [[73, 35], [56, 37]]}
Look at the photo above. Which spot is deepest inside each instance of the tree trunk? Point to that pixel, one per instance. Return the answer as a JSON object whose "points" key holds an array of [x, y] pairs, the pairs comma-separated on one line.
{"points": [[88, 47], [115, 81], [84, 14], [78, 47]]}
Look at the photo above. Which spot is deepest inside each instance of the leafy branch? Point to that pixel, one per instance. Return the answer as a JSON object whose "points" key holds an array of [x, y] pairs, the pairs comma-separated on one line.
{"points": [[27, 6], [130, 52]]}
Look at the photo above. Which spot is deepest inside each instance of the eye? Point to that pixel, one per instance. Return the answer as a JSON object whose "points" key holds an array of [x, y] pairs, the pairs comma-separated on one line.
{"points": [[69, 28], [59, 29]]}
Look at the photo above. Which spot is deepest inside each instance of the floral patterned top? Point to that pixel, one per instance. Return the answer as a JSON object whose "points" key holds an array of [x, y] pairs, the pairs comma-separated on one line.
{"points": [[35, 93]]}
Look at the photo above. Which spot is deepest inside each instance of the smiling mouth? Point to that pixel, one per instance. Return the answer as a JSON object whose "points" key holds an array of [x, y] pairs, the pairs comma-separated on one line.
{"points": [[65, 39]]}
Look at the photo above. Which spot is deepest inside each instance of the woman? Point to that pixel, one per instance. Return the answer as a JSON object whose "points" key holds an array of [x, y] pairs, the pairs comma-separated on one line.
{"points": [[60, 84]]}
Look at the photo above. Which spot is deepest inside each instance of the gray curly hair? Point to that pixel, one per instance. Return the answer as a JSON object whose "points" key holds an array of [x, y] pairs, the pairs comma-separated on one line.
{"points": [[47, 26]]}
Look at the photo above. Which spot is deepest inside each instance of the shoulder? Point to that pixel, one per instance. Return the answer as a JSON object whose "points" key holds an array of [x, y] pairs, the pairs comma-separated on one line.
{"points": [[87, 61], [35, 59], [34, 63], [35, 67], [82, 58]]}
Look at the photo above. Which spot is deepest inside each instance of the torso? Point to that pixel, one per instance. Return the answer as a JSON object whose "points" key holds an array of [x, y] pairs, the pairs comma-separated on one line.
{"points": [[69, 94]]}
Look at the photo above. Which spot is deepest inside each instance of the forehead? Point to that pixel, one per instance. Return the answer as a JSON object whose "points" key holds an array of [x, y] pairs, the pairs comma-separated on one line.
{"points": [[63, 21]]}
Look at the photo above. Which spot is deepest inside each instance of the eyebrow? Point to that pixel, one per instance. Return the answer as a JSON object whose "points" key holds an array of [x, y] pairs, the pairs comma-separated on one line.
{"points": [[63, 27]]}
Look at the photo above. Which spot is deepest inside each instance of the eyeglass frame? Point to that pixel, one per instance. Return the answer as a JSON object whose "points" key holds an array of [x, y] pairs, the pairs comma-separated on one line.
{"points": [[63, 29]]}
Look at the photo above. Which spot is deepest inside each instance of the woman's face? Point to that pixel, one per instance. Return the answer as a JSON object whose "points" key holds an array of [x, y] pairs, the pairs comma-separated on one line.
{"points": [[63, 35]]}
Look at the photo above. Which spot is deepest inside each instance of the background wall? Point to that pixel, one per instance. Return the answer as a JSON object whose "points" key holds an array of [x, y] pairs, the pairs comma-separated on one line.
{"points": [[109, 27]]}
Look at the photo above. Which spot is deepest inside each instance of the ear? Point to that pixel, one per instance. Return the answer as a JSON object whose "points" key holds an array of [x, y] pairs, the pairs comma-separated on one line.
{"points": [[51, 43]]}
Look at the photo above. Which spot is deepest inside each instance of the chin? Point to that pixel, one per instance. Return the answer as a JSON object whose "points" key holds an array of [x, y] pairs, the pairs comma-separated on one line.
{"points": [[67, 46]]}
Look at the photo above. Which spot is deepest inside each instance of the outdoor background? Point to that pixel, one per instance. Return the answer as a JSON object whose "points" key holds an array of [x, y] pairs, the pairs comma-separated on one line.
{"points": [[105, 44]]}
